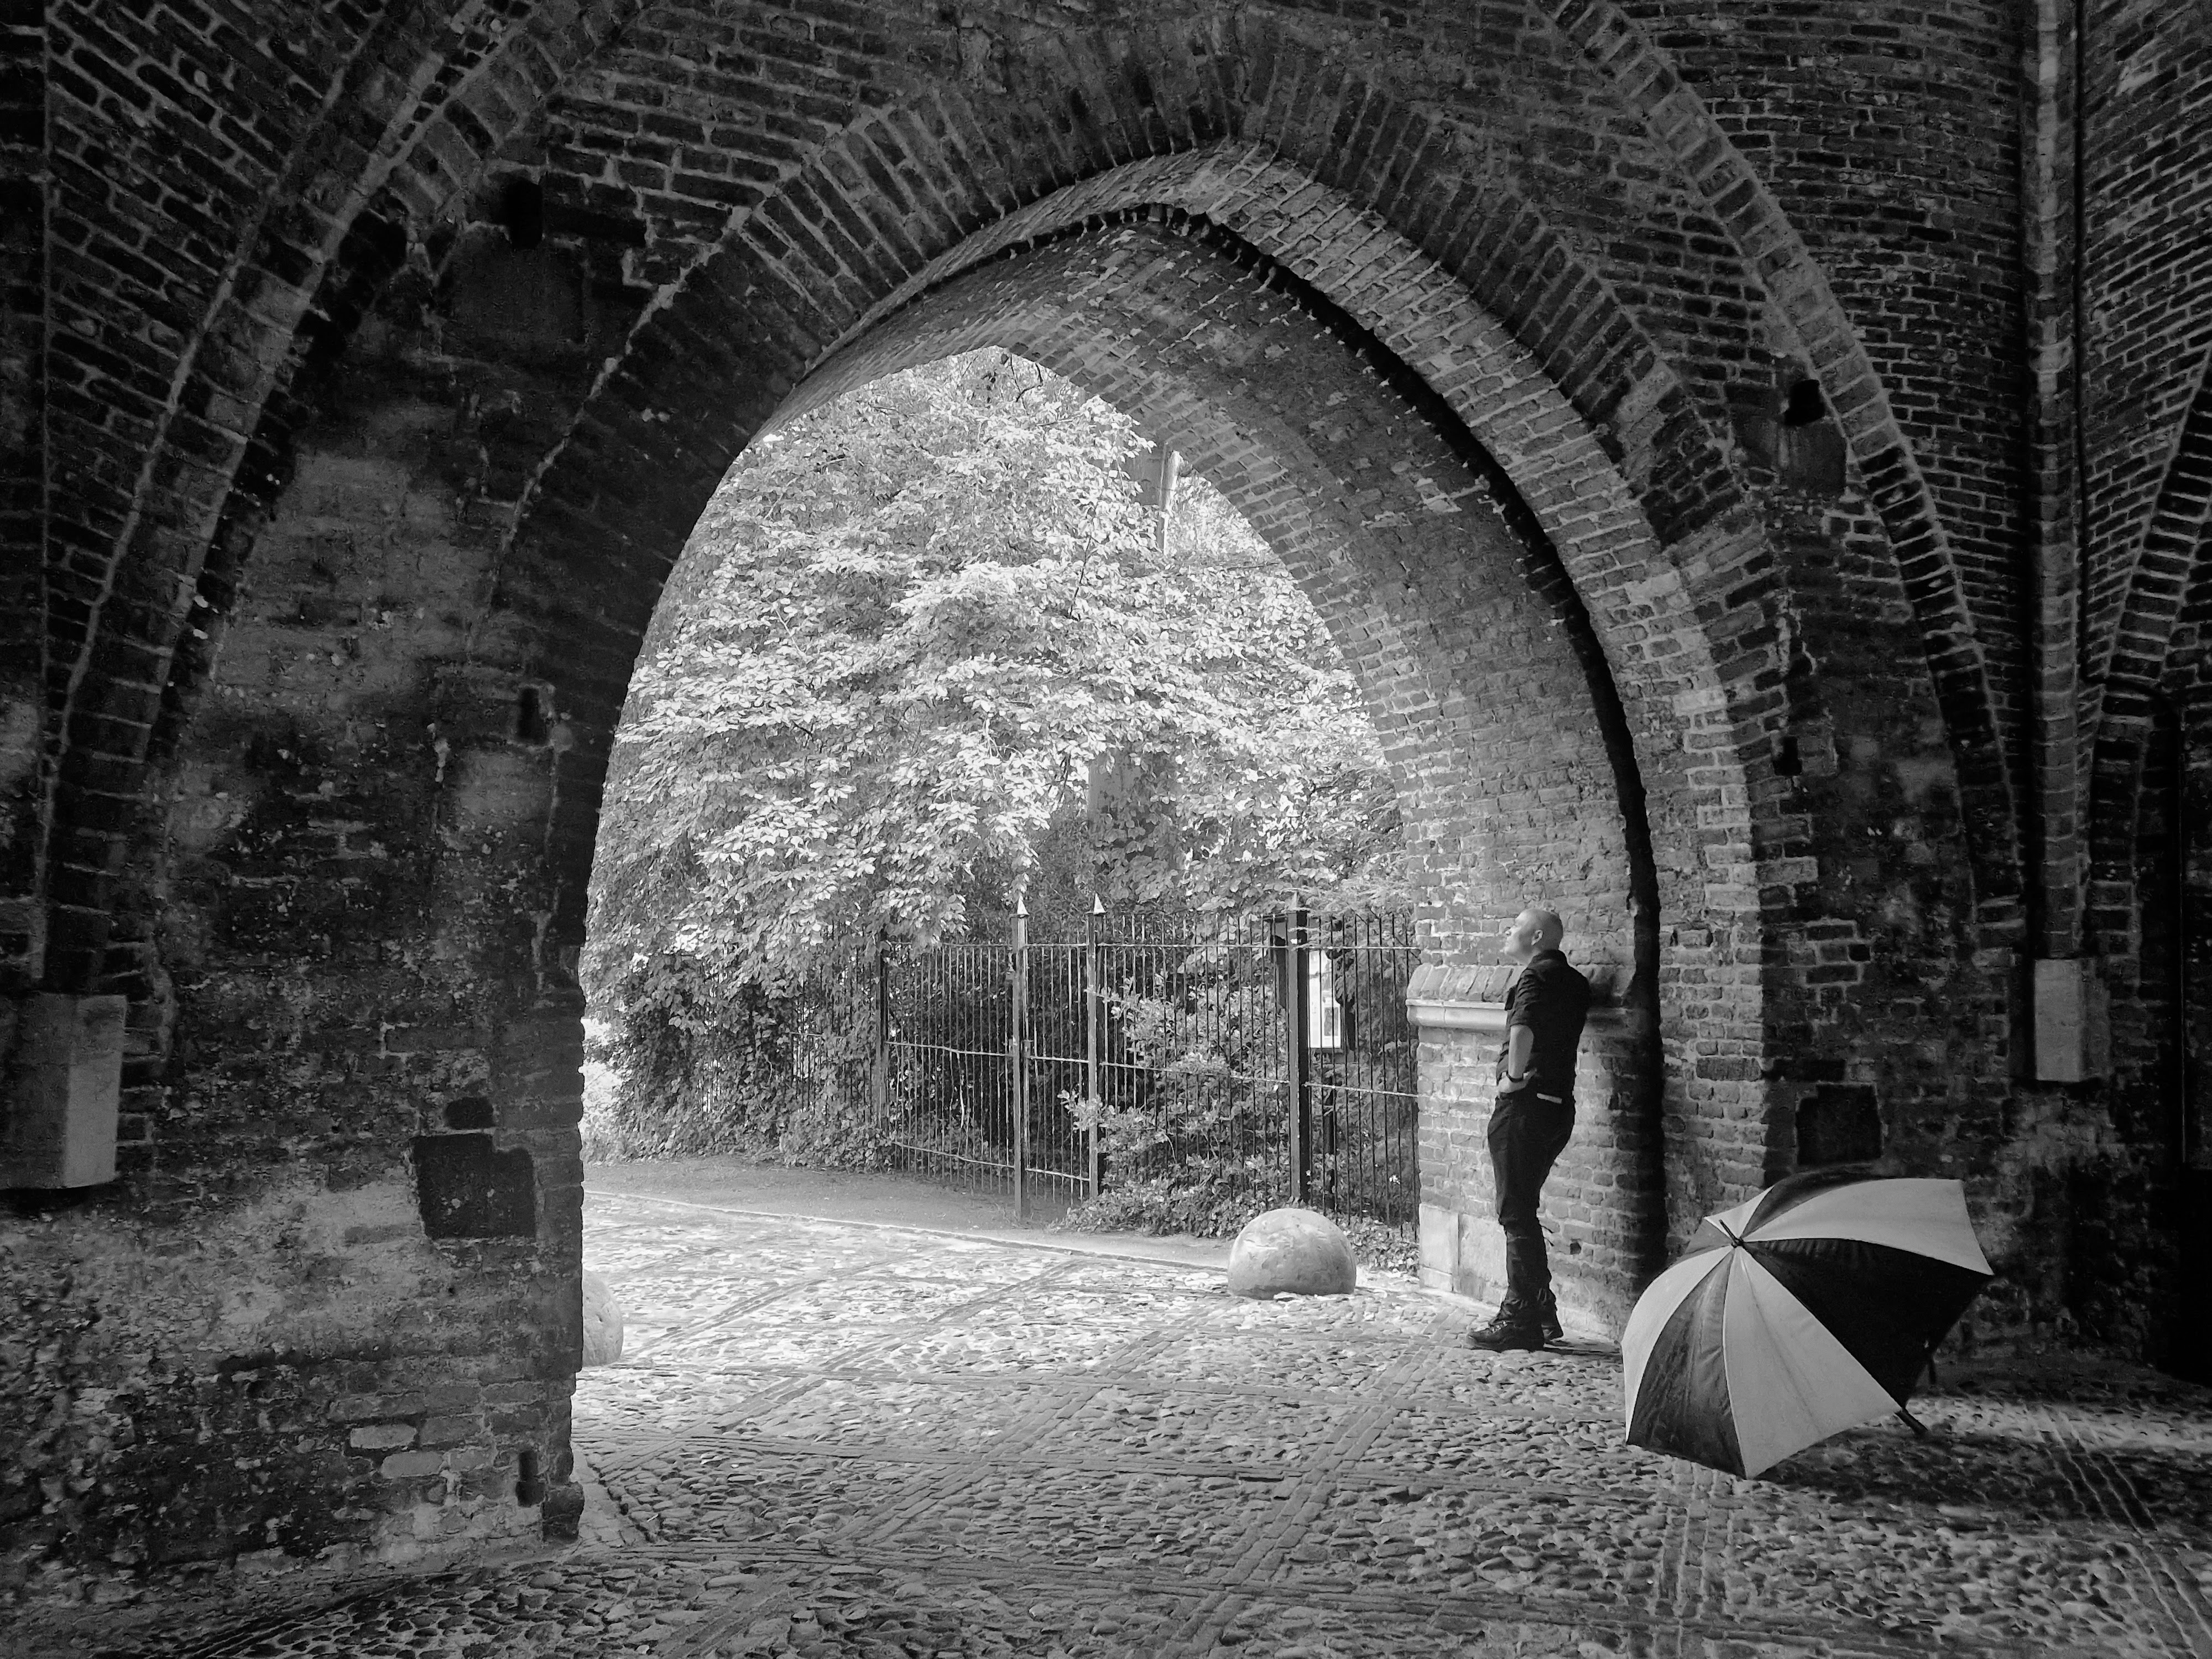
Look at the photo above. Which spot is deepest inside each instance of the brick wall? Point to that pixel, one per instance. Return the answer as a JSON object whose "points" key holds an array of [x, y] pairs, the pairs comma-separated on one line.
{"points": [[24, 187], [1874, 127], [2143, 268], [2145, 142], [341, 1261], [2145, 273], [179, 304], [387, 364]]}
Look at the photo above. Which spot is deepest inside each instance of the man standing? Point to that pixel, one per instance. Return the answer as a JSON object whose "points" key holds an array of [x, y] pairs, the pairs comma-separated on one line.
{"points": [[1534, 1116]]}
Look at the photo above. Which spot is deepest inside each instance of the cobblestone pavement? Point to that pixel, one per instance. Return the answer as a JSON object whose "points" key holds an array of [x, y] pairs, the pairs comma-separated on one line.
{"points": [[827, 1439]]}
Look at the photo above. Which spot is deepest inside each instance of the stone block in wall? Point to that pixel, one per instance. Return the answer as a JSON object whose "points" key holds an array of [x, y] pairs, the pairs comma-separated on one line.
{"points": [[2073, 1029], [469, 1189], [64, 1086], [1462, 1252]]}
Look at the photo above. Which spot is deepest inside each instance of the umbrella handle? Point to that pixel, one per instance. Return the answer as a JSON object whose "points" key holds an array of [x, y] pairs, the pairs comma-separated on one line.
{"points": [[1919, 1428]]}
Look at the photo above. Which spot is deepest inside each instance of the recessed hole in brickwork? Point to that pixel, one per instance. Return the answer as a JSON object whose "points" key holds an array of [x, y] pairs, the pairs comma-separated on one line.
{"points": [[1806, 405], [1787, 762], [469, 1112], [522, 212], [467, 1188], [567, 219], [534, 716], [533, 293], [529, 1490], [1838, 1123]]}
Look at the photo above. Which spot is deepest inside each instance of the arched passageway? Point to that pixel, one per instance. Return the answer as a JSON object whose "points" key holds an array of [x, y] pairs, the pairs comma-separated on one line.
{"points": [[1489, 686], [1593, 442]]}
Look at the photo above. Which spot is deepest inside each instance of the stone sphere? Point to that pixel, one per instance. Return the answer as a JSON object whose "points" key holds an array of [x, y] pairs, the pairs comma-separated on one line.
{"points": [[1297, 1251], [602, 1322]]}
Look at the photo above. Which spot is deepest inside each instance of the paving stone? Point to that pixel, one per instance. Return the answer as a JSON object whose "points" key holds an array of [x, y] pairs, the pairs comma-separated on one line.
{"points": [[1002, 1450]]}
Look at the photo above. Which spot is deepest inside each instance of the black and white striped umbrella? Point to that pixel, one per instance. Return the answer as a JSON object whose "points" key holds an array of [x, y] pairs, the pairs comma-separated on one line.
{"points": [[1810, 1310]]}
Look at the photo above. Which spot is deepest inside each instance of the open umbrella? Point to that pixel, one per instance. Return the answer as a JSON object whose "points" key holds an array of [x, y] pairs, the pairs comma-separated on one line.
{"points": [[1810, 1310]]}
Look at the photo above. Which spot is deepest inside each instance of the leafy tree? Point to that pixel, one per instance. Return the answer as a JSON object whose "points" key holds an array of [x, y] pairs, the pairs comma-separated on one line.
{"points": [[906, 631]]}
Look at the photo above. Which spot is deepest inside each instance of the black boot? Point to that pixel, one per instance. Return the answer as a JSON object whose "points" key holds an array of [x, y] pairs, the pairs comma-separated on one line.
{"points": [[1547, 1319], [1514, 1329]]}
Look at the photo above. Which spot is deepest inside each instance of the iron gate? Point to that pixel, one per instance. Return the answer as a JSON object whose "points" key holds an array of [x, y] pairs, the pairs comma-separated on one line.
{"points": [[1270, 1056]]}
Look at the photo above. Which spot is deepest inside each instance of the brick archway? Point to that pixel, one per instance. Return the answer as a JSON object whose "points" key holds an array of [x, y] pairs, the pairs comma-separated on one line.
{"points": [[1523, 343], [886, 199], [2169, 559], [1657, 644], [2151, 768], [1740, 200], [1664, 550], [1518, 770]]}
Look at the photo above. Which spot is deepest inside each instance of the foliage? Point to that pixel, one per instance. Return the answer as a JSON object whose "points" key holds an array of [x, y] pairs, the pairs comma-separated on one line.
{"points": [[1196, 1140], [1168, 1203], [1199, 1148], [734, 1070], [1208, 1108]]}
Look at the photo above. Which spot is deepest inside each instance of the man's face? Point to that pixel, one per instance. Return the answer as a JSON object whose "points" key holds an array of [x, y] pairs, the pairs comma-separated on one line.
{"points": [[1524, 938]]}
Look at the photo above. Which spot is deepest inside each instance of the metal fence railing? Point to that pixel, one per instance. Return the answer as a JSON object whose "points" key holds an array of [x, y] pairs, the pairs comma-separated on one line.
{"points": [[1222, 1062], [1268, 1059]]}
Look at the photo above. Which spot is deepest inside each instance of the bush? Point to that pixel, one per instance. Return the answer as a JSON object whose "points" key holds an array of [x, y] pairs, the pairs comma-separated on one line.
{"points": [[1169, 1204], [695, 1073]]}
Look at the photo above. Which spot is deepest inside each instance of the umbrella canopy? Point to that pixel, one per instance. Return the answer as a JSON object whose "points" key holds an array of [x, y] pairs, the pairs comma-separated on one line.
{"points": [[1810, 1310]]}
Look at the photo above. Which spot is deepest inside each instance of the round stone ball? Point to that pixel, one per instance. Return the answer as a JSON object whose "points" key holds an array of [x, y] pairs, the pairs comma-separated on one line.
{"points": [[602, 1322], [1300, 1252]]}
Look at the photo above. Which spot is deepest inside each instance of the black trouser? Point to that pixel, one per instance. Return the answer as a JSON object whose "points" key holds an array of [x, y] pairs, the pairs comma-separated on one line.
{"points": [[1527, 1134]]}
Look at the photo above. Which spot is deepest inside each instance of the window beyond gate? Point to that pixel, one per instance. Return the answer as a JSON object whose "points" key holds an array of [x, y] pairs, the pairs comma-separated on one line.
{"points": [[1253, 1060]]}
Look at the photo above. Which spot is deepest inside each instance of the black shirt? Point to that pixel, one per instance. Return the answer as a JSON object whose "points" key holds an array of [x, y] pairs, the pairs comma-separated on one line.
{"points": [[1550, 998]]}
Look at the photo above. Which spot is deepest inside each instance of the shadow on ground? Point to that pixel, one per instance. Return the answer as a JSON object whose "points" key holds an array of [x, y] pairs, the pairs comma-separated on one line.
{"points": [[907, 1430]]}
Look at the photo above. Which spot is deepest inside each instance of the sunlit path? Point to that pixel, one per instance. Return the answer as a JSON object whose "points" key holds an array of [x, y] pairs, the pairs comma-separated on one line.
{"points": [[834, 1438], [935, 1444]]}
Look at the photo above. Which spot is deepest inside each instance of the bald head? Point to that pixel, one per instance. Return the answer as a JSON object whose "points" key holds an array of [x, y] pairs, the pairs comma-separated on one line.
{"points": [[1532, 930]]}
